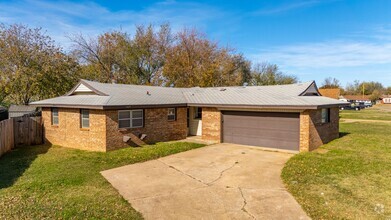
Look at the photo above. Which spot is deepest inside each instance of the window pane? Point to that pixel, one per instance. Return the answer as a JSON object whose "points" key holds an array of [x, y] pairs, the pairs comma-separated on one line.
{"points": [[137, 123], [171, 111], [85, 123], [171, 117], [124, 114], [55, 111], [198, 113], [137, 114], [325, 115], [124, 123], [85, 113], [55, 120]]}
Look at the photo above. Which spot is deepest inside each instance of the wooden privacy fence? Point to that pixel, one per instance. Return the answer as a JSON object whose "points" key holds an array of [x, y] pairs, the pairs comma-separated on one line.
{"points": [[25, 130], [6, 136]]}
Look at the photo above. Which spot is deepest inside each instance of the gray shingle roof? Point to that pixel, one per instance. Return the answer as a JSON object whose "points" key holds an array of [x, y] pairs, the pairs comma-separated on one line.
{"points": [[120, 95], [22, 108], [279, 95]]}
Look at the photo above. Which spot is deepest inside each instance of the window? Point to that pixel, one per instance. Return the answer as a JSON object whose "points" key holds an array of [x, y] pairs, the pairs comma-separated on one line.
{"points": [[130, 118], [55, 116], [325, 115], [171, 114], [198, 113], [85, 118]]}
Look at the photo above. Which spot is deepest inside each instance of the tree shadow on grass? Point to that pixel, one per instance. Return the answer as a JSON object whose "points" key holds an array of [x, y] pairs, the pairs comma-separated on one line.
{"points": [[14, 163]]}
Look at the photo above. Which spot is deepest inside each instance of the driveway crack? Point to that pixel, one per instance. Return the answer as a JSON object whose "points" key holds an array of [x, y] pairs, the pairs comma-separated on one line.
{"points": [[222, 172], [180, 171], [245, 204]]}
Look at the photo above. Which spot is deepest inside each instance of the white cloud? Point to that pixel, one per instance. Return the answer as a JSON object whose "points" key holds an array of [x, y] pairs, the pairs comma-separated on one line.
{"points": [[328, 54], [287, 7]]}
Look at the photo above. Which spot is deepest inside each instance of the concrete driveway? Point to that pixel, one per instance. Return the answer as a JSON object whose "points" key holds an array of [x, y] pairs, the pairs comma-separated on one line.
{"points": [[222, 181]]}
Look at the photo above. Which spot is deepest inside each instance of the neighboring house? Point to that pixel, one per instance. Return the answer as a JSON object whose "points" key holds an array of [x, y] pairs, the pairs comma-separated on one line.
{"points": [[20, 110], [98, 116], [357, 98], [3, 113], [386, 99], [334, 93]]}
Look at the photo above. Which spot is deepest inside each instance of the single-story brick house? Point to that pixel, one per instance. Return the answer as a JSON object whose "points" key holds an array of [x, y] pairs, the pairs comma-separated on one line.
{"points": [[98, 116]]}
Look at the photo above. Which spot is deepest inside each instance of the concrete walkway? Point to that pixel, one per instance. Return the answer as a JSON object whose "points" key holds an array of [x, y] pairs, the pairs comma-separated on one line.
{"points": [[222, 181]]}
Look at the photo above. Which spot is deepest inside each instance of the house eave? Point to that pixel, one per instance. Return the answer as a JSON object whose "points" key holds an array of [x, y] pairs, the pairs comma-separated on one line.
{"points": [[113, 107], [291, 107]]}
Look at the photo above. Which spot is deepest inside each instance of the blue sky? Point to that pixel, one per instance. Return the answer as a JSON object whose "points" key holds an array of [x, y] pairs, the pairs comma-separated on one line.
{"points": [[313, 39]]}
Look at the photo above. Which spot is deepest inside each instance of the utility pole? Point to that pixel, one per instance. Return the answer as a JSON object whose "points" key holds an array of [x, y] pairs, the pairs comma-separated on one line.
{"points": [[363, 90]]}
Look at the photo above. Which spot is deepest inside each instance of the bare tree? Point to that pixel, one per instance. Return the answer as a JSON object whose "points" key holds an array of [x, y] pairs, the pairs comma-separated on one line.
{"points": [[330, 83], [269, 74]]}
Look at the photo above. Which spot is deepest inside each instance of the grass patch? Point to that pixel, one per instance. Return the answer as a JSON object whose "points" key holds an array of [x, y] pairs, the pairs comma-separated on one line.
{"points": [[60, 183], [349, 178], [377, 112]]}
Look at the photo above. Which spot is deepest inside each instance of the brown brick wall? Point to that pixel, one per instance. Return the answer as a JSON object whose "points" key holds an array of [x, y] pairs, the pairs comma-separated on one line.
{"points": [[69, 133], [314, 133], [156, 127], [211, 124]]}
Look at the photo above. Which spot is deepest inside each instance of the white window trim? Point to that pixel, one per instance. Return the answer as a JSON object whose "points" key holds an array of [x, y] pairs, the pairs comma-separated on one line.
{"points": [[82, 118], [131, 119], [168, 114]]}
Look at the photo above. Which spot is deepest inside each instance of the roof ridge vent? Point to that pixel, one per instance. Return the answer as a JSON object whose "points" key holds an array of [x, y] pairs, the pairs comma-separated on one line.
{"points": [[223, 89], [245, 84]]}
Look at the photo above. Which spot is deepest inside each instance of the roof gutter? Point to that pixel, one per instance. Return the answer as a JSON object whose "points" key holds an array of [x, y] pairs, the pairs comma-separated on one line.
{"points": [[293, 107], [114, 107]]}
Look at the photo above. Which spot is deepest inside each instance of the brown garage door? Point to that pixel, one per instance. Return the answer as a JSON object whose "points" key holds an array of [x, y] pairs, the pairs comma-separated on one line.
{"points": [[265, 129]]}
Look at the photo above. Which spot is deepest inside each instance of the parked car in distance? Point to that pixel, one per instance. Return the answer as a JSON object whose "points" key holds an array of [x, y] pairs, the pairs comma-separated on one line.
{"points": [[368, 104], [361, 105], [353, 106]]}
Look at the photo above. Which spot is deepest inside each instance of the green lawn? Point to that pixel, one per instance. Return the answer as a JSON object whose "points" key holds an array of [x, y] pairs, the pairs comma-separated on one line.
{"points": [[377, 112], [59, 183], [349, 178]]}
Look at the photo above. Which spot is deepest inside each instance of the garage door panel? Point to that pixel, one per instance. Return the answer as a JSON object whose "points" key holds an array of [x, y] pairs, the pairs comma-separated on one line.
{"points": [[282, 144], [238, 122], [272, 133], [270, 129]]}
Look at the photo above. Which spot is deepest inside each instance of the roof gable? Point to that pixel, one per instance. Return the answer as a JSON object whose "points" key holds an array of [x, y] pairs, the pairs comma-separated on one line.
{"points": [[84, 88], [312, 90]]}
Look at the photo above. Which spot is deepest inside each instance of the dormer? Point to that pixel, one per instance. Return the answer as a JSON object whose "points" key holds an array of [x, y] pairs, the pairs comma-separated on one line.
{"points": [[312, 90]]}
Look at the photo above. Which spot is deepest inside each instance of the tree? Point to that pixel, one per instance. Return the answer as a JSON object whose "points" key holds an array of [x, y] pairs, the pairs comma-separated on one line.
{"points": [[330, 83], [376, 95], [193, 60], [106, 58], [155, 56], [117, 57], [352, 88], [32, 66], [369, 87], [269, 74]]}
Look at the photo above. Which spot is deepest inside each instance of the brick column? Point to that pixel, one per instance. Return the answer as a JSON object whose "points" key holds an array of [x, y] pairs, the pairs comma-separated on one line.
{"points": [[211, 124], [305, 120]]}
